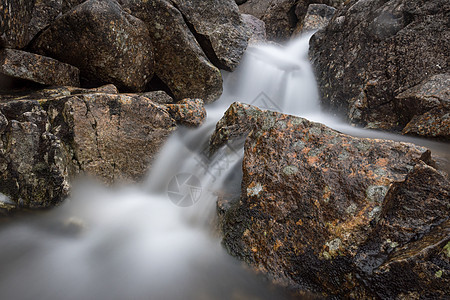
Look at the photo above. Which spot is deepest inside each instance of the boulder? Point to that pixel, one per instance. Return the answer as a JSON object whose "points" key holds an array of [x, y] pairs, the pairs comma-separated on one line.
{"points": [[312, 198], [34, 165], [15, 15], [257, 29], [49, 136], [44, 13], [180, 63], [107, 44], [219, 29], [37, 68], [434, 123], [373, 52], [317, 17]]}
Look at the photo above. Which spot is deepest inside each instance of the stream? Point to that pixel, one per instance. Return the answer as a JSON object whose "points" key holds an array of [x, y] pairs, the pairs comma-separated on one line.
{"points": [[158, 239]]}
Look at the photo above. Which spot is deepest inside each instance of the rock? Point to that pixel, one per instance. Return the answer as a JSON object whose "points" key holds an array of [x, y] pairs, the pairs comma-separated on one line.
{"points": [[180, 62], [372, 52], [189, 112], [280, 20], [434, 123], [102, 132], [239, 2], [116, 46], [317, 17], [34, 165], [51, 135], [44, 13], [159, 97], [219, 29], [257, 29], [15, 15], [311, 198], [37, 68]]}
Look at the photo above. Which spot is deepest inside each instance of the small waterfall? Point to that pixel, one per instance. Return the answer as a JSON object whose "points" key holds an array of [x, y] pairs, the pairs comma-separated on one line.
{"points": [[134, 242]]}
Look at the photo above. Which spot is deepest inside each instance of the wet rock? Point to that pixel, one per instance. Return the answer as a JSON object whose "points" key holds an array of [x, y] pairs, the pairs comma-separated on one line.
{"points": [[372, 52], [219, 29], [317, 17], [34, 165], [107, 44], [312, 197], [104, 138], [189, 112], [37, 68], [179, 60], [434, 123], [257, 29], [15, 15]]}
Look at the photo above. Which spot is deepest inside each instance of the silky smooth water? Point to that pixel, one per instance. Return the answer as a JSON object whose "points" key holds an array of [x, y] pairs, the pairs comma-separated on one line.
{"points": [[133, 242]]}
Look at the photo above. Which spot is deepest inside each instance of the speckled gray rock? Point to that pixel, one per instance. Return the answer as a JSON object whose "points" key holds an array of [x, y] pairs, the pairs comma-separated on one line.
{"points": [[317, 17], [373, 51], [257, 29], [179, 60], [219, 29], [107, 44], [37, 68]]}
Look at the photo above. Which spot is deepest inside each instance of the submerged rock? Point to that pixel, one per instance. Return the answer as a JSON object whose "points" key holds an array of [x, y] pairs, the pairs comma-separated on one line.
{"points": [[373, 53], [313, 199], [49, 136], [107, 44], [37, 68]]}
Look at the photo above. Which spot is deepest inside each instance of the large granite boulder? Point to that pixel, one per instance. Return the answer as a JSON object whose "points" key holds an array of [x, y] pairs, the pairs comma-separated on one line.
{"points": [[15, 15], [37, 68], [180, 62], [107, 44], [326, 212], [49, 136], [219, 29], [374, 52]]}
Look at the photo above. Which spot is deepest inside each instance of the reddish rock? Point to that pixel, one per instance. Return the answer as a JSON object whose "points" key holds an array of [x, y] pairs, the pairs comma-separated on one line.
{"points": [[311, 198], [189, 112], [37, 68]]}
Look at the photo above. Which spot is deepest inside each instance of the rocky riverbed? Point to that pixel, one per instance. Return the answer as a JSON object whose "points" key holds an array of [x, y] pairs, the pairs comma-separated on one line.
{"points": [[96, 88]]}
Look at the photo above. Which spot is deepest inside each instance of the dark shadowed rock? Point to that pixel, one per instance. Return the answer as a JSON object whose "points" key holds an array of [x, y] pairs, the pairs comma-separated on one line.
{"points": [[372, 52], [257, 29], [15, 15], [107, 44], [218, 28], [239, 2], [179, 60], [44, 13], [311, 198], [37, 68]]}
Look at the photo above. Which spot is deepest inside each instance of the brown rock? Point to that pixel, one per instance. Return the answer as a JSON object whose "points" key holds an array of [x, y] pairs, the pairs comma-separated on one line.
{"points": [[44, 13], [15, 15], [311, 197], [102, 131], [189, 112], [37, 68], [115, 46], [434, 123], [180, 62], [317, 17]]}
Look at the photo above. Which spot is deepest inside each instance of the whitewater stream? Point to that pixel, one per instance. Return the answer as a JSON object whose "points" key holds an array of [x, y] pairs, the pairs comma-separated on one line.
{"points": [[158, 239]]}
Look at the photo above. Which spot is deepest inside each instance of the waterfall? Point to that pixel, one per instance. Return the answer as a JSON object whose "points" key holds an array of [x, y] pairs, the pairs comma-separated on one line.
{"points": [[149, 240]]}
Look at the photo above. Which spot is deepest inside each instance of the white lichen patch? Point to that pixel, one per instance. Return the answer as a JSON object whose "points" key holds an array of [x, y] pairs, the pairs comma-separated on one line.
{"points": [[333, 246], [290, 170], [255, 190]]}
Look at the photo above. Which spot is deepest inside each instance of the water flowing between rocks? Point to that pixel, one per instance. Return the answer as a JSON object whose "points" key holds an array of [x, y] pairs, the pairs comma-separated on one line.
{"points": [[157, 239]]}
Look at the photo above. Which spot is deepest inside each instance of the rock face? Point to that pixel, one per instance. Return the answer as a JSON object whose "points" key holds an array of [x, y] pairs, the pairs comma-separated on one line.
{"points": [[219, 29], [373, 53], [317, 17], [48, 137], [116, 46], [37, 68], [327, 212], [15, 15], [257, 29], [179, 60]]}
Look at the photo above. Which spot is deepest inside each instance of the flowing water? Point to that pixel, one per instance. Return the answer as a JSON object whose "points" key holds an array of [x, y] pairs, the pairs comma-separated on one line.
{"points": [[141, 242]]}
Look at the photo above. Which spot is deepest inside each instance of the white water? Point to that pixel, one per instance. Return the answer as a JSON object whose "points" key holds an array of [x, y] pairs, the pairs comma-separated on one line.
{"points": [[133, 242]]}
